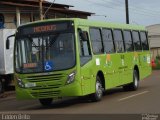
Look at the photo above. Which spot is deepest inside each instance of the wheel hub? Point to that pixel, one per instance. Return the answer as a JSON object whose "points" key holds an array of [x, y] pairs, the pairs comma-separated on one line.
{"points": [[136, 81]]}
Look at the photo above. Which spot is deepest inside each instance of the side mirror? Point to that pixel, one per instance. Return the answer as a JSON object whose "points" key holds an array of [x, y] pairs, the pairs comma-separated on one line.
{"points": [[83, 34], [7, 44], [8, 41]]}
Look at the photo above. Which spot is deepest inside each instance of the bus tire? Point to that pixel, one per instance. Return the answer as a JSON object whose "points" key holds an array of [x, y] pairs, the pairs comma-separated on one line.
{"points": [[46, 101], [1, 86], [97, 96], [135, 84]]}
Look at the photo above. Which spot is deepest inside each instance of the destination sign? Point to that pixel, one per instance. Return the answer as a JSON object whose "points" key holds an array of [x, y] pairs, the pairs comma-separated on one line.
{"points": [[45, 27], [30, 65]]}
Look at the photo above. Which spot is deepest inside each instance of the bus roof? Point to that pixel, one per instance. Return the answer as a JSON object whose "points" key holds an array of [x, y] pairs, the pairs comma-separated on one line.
{"points": [[93, 23]]}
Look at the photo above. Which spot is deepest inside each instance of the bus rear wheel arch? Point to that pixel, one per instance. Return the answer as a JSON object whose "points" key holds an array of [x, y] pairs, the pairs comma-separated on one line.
{"points": [[135, 84]]}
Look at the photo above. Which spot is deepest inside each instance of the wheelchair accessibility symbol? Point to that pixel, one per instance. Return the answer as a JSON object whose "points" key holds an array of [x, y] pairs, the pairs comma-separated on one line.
{"points": [[48, 65]]}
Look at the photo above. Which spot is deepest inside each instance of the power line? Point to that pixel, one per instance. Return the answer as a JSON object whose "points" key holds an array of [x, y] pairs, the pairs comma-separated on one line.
{"points": [[101, 4], [49, 8], [142, 10], [121, 8], [148, 10]]}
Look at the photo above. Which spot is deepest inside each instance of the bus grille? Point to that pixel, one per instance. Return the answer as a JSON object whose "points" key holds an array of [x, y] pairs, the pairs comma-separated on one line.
{"points": [[47, 82], [46, 87], [46, 94], [41, 78]]}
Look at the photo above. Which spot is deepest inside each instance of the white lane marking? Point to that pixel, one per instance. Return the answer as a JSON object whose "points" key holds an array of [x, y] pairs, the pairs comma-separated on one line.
{"points": [[133, 96]]}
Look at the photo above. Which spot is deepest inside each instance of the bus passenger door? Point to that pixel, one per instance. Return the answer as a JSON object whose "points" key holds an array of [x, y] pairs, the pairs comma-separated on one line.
{"points": [[85, 60]]}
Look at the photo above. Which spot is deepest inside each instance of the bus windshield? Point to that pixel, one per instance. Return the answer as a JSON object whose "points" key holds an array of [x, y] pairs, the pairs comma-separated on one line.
{"points": [[45, 52]]}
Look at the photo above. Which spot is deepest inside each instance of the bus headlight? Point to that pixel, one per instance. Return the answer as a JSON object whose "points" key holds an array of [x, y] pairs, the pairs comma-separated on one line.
{"points": [[71, 78], [20, 83]]}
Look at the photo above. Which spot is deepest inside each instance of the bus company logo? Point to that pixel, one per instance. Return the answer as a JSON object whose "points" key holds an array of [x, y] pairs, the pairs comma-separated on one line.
{"points": [[135, 54], [108, 60], [150, 117]]}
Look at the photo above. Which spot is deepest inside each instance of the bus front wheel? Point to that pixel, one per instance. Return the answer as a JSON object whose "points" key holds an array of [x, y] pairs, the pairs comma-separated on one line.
{"points": [[46, 102], [97, 96]]}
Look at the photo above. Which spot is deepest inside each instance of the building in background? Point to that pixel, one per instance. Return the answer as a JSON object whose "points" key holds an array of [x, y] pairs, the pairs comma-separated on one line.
{"points": [[16, 12], [154, 39]]}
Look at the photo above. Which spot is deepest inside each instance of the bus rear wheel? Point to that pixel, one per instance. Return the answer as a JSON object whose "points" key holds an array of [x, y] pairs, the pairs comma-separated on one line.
{"points": [[97, 96], [46, 101], [135, 84]]}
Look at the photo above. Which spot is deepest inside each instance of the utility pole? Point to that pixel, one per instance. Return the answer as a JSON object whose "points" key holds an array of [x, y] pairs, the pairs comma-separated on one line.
{"points": [[18, 17], [127, 12], [41, 9]]}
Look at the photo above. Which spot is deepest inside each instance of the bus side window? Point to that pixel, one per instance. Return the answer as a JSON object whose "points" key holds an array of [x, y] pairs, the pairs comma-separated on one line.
{"points": [[108, 41], [136, 41], [119, 44], [128, 40], [84, 47], [96, 38], [144, 40]]}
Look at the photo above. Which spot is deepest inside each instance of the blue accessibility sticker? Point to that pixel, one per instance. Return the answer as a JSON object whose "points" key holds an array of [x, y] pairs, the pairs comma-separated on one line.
{"points": [[48, 65]]}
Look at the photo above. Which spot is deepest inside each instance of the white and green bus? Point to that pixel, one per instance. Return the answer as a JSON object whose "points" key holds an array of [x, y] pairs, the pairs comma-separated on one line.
{"points": [[77, 57]]}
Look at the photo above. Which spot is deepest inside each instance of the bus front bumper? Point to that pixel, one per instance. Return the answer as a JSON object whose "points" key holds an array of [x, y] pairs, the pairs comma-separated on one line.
{"points": [[71, 90]]}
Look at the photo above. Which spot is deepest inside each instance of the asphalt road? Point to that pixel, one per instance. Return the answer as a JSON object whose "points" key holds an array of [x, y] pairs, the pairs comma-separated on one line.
{"points": [[145, 100]]}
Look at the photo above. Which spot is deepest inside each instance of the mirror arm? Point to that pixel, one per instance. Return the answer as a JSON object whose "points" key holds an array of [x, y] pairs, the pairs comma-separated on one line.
{"points": [[7, 41], [10, 36]]}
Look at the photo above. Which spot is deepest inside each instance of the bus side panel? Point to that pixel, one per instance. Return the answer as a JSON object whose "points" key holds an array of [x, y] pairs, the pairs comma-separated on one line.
{"points": [[145, 67], [112, 64], [88, 78], [109, 65], [127, 63]]}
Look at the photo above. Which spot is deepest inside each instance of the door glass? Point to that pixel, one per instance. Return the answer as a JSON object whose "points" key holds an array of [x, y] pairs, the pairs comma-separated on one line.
{"points": [[84, 47]]}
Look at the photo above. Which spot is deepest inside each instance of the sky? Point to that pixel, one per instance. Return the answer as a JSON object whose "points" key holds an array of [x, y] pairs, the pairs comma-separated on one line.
{"points": [[142, 12]]}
